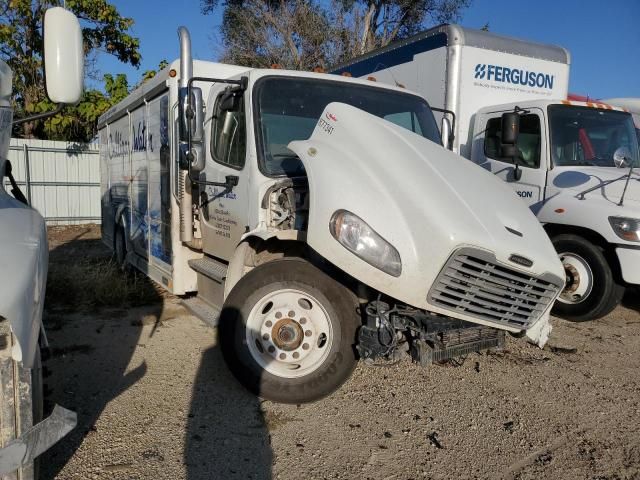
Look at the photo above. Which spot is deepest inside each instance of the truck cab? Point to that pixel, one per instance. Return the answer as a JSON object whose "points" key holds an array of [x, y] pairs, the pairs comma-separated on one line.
{"points": [[575, 162], [316, 220]]}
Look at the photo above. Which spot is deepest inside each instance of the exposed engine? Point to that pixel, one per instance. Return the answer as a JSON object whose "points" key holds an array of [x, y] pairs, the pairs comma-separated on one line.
{"points": [[287, 204], [428, 338]]}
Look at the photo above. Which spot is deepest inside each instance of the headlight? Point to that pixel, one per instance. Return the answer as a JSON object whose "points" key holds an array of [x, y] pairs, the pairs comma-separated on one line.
{"points": [[626, 228], [358, 237]]}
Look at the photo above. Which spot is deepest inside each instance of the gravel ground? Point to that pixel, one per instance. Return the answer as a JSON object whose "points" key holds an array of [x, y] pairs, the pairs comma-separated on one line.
{"points": [[155, 401]]}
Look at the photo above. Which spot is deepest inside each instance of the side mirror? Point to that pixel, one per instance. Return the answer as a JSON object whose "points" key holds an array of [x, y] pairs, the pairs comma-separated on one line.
{"points": [[509, 132], [445, 133], [510, 128], [230, 100], [622, 157], [191, 129], [193, 115], [63, 56]]}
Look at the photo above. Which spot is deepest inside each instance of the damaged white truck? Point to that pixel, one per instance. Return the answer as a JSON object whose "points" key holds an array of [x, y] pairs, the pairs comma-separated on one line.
{"points": [[320, 220], [571, 162], [24, 434]]}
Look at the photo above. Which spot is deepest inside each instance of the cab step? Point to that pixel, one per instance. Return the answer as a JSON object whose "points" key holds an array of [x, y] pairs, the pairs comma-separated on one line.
{"points": [[210, 268], [209, 314]]}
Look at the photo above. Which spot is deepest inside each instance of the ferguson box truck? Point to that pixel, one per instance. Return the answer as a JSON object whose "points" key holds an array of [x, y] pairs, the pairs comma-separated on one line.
{"points": [[319, 220], [24, 434], [570, 162]]}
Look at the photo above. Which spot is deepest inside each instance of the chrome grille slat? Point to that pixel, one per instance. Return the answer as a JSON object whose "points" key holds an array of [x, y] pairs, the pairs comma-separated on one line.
{"points": [[501, 291], [473, 305], [498, 280], [474, 283]]}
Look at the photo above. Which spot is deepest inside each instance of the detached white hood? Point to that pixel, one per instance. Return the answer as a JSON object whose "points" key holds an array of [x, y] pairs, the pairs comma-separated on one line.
{"points": [[423, 199], [23, 273]]}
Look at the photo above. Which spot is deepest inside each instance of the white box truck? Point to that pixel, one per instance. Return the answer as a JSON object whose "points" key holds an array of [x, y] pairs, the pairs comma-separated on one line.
{"points": [[319, 220], [571, 162], [24, 433]]}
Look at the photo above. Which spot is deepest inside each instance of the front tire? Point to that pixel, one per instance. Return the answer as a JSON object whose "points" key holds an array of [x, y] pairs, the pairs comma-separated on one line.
{"points": [[287, 332], [591, 291]]}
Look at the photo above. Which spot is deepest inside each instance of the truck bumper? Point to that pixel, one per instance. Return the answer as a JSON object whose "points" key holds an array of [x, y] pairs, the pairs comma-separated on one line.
{"points": [[629, 259], [36, 440]]}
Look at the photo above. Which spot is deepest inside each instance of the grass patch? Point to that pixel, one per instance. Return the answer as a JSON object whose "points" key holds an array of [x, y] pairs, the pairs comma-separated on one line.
{"points": [[90, 283]]}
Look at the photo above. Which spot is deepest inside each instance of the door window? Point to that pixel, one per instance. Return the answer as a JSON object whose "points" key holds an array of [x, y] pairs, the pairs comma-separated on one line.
{"points": [[528, 141], [228, 136]]}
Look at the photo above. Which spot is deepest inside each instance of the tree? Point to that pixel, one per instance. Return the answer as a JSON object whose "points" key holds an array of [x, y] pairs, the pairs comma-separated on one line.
{"points": [[306, 33], [104, 29], [79, 122], [292, 34]]}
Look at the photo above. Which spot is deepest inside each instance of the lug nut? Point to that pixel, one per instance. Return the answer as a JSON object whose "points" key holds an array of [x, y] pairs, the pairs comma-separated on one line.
{"points": [[303, 321], [268, 323], [307, 333], [296, 354], [265, 336], [272, 349], [292, 314], [278, 315], [305, 346], [283, 356]]}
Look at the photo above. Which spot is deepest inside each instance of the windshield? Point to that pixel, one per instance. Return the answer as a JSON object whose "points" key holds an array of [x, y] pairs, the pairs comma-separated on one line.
{"points": [[584, 136], [288, 109]]}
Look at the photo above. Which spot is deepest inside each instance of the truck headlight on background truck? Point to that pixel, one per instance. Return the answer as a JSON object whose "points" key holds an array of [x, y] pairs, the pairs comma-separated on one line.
{"points": [[626, 228], [359, 238]]}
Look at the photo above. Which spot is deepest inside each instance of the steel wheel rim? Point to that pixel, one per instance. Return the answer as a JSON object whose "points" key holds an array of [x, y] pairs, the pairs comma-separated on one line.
{"points": [[288, 333], [579, 279]]}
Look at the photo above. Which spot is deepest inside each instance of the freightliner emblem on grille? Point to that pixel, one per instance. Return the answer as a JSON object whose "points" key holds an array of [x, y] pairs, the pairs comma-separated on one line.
{"points": [[520, 260]]}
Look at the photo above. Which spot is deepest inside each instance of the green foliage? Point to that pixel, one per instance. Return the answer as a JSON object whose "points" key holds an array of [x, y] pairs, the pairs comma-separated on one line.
{"points": [[103, 29], [302, 34]]}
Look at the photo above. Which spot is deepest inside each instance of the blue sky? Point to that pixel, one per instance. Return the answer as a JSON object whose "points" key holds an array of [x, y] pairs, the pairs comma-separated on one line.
{"points": [[603, 36]]}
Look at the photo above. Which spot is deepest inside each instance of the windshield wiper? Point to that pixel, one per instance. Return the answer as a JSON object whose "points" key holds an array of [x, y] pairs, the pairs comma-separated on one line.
{"points": [[624, 192], [608, 182]]}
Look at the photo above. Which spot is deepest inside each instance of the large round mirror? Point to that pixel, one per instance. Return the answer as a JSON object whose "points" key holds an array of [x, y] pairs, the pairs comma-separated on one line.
{"points": [[622, 157]]}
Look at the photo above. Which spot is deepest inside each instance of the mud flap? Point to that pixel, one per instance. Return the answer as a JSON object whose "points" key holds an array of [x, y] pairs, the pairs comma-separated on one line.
{"points": [[36, 440]]}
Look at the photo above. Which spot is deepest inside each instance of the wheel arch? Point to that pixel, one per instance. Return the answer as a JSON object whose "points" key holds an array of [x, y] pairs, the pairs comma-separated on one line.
{"points": [[555, 229]]}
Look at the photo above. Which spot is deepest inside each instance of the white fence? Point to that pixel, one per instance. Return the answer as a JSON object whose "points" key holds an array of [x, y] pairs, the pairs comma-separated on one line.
{"points": [[61, 180]]}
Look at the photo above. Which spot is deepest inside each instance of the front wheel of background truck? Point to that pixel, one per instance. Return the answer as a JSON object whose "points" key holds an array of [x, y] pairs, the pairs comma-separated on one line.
{"points": [[287, 332], [591, 291], [120, 247]]}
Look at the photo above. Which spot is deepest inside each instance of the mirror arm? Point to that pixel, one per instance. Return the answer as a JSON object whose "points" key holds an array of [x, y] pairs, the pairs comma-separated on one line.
{"points": [[39, 116], [453, 121]]}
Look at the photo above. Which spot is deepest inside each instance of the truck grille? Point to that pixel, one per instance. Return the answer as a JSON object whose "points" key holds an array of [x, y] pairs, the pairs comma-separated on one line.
{"points": [[474, 283]]}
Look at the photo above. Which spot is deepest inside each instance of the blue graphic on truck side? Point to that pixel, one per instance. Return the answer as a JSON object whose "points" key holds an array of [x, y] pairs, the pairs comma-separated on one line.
{"points": [[515, 76]]}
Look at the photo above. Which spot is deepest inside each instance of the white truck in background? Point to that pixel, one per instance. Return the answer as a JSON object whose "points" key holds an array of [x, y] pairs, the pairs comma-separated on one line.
{"points": [[570, 162], [293, 203], [24, 434]]}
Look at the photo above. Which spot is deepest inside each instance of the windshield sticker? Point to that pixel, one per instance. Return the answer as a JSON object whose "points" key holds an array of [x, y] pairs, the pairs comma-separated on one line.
{"points": [[331, 116], [325, 126]]}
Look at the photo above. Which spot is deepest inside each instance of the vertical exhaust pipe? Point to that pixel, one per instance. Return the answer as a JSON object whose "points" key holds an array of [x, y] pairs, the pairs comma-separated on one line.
{"points": [[186, 200]]}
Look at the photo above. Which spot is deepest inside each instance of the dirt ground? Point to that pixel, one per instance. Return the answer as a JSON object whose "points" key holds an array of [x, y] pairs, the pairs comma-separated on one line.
{"points": [[155, 400]]}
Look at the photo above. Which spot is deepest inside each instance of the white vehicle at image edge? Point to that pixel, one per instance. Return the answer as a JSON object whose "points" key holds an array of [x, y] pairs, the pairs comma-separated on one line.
{"points": [[319, 220], [24, 434], [572, 163]]}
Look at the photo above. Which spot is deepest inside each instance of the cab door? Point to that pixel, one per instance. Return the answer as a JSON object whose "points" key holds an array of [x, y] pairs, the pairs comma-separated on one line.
{"points": [[532, 154], [224, 211]]}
